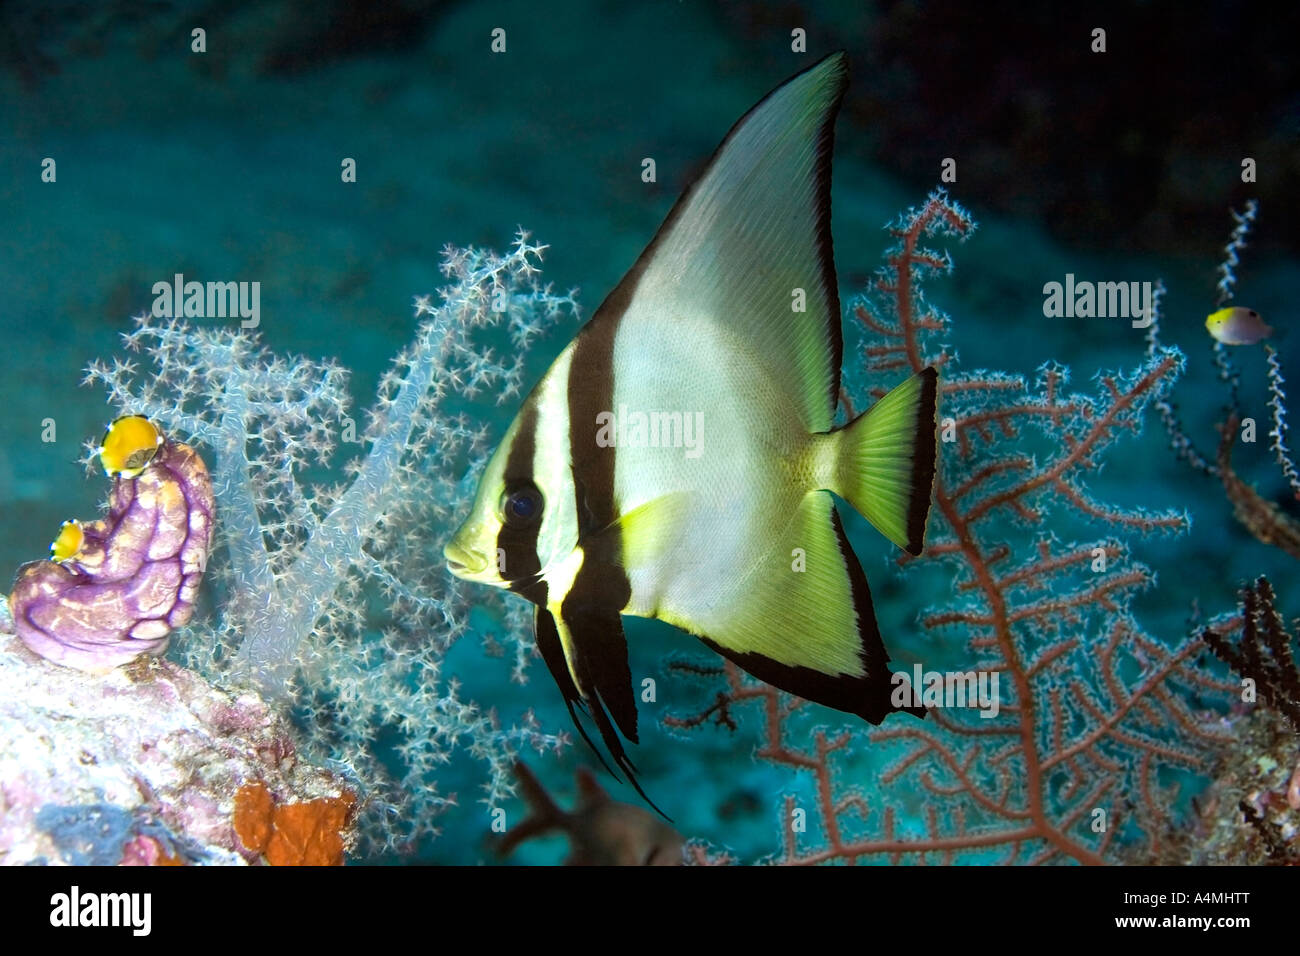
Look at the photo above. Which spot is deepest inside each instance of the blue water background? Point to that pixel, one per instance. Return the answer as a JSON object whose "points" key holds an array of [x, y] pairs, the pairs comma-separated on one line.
{"points": [[166, 166]]}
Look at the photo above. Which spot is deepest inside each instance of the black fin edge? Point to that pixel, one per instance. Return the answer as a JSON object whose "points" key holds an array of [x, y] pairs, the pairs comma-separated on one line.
{"points": [[869, 696], [925, 460]]}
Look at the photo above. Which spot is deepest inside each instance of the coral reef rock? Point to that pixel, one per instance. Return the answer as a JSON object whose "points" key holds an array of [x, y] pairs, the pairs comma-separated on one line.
{"points": [[143, 765]]}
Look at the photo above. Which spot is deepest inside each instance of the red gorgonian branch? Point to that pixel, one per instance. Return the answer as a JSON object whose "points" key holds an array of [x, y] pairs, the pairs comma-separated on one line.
{"points": [[1094, 716]]}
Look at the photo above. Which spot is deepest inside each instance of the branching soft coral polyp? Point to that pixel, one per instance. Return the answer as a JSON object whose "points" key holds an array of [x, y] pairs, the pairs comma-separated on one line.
{"points": [[336, 600], [1098, 709]]}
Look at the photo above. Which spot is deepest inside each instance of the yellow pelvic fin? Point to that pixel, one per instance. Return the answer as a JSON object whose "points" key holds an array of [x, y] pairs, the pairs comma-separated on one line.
{"points": [[807, 624]]}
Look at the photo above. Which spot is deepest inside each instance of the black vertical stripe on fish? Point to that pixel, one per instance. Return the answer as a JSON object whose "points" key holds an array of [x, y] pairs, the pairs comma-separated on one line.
{"points": [[603, 672], [867, 696], [601, 588], [592, 674], [522, 565]]}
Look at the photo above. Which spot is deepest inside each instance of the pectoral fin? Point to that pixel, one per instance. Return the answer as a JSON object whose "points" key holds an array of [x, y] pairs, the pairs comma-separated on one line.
{"points": [[643, 534]]}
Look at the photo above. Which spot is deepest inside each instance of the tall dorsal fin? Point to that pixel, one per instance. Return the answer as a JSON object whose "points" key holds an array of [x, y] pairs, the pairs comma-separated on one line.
{"points": [[753, 229]]}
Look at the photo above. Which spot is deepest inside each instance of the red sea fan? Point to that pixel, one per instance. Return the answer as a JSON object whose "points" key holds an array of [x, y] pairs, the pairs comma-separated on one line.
{"points": [[1093, 716]]}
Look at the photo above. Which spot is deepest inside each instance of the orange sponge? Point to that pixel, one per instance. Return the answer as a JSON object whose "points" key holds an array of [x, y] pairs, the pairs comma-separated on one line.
{"points": [[293, 834]]}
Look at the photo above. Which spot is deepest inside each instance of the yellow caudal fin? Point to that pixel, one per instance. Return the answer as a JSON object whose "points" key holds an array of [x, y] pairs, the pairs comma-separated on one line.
{"points": [[886, 459]]}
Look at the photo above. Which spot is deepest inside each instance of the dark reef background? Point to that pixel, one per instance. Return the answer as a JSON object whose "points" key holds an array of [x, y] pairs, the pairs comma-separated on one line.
{"points": [[225, 165]]}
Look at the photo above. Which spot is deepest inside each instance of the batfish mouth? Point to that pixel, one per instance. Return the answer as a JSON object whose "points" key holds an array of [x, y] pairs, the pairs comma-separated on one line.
{"points": [[463, 562]]}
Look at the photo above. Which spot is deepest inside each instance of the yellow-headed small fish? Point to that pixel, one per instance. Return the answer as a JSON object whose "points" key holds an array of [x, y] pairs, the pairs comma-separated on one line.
{"points": [[679, 459], [1235, 325]]}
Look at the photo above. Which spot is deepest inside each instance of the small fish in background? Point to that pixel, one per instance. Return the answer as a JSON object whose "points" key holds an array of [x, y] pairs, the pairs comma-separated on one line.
{"points": [[1236, 325], [601, 831], [724, 524]]}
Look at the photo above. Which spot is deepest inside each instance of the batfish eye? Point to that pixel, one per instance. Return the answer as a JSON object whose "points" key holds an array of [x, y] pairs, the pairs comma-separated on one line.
{"points": [[521, 506], [129, 445]]}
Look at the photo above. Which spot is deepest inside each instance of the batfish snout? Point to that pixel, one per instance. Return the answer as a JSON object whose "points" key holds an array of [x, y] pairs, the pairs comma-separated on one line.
{"points": [[462, 561]]}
